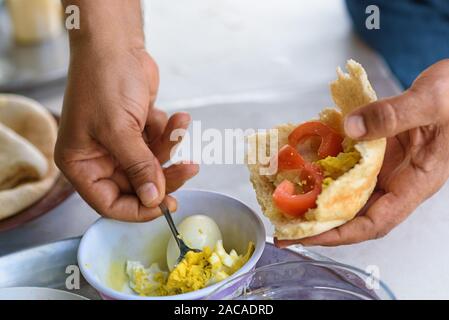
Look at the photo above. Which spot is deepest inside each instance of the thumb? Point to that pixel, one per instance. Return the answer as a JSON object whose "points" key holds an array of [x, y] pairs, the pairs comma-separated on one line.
{"points": [[389, 117], [141, 167]]}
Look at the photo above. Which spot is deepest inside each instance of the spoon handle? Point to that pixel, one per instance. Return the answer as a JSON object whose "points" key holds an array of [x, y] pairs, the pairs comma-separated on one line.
{"points": [[171, 223]]}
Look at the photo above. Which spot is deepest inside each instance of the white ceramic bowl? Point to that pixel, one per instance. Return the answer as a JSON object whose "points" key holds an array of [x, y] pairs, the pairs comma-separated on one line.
{"points": [[108, 244], [33, 293]]}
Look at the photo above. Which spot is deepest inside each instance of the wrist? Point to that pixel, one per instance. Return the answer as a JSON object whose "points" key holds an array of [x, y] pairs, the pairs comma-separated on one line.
{"points": [[107, 26]]}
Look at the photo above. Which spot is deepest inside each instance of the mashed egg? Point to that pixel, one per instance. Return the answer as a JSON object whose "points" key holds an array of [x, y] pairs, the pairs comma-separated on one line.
{"points": [[146, 281], [197, 231], [201, 269], [197, 270]]}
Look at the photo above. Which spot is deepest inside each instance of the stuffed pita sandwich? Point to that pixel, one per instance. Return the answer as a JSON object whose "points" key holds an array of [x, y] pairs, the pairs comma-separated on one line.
{"points": [[322, 178]]}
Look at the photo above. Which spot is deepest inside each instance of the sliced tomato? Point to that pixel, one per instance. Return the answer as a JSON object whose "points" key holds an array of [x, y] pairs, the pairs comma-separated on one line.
{"points": [[289, 158], [330, 139], [296, 205]]}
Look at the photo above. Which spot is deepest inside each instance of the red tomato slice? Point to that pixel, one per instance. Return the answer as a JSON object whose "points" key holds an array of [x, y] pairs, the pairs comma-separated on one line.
{"points": [[289, 158], [296, 205], [330, 139]]}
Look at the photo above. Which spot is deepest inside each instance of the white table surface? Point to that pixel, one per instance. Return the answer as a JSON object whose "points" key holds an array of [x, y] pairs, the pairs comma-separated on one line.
{"points": [[240, 60]]}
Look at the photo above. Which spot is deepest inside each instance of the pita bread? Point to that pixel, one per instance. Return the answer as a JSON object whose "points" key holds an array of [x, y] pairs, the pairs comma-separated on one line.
{"points": [[344, 197], [36, 127], [19, 160]]}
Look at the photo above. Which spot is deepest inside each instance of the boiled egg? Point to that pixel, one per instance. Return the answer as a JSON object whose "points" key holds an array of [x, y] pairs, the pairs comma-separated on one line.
{"points": [[197, 231]]}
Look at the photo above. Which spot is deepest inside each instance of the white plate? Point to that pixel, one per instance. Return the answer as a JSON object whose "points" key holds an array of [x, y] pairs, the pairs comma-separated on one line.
{"points": [[31, 293]]}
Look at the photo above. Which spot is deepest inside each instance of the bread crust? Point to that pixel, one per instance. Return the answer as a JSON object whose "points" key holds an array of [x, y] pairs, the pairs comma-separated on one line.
{"points": [[344, 197], [33, 122], [19, 160]]}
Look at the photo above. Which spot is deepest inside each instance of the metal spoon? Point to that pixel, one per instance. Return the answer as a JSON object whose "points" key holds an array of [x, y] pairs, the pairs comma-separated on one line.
{"points": [[183, 248]]}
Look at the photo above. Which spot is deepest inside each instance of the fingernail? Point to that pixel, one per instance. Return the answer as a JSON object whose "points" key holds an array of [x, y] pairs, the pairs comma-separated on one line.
{"points": [[355, 126], [147, 193]]}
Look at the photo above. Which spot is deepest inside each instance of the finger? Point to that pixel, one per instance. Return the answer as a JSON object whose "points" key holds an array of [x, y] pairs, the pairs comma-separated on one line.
{"points": [[115, 205], [285, 243], [387, 212], [172, 136], [391, 116], [120, 178], [156, 123], [395, 153], [153, 71], [141, 167], [176, 175], [99, 183], [102, 185], [128, 208]]}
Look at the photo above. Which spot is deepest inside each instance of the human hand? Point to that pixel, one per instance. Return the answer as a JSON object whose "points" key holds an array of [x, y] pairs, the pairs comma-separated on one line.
{"points": [[112, 141], [416, 163]]}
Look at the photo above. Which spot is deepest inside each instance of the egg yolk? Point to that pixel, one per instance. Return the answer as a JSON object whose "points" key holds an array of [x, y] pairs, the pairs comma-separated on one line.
{"points": [[196, 271]]}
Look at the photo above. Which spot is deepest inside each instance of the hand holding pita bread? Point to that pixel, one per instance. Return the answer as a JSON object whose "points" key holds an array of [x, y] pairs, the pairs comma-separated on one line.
{"points": [[416, 163], [112, 141]]}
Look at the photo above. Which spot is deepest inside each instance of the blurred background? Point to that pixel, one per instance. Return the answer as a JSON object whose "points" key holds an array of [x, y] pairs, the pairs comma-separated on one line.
{"points": [[208, 52], [33, 44]]}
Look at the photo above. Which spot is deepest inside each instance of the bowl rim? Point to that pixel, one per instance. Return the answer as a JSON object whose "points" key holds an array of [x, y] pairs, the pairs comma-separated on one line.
{"points": [[60, 292], [194, 295], [230, 282]]}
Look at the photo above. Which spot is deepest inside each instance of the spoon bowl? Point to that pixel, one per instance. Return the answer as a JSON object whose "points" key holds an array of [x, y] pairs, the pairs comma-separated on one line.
{"points": [[183, 248]]}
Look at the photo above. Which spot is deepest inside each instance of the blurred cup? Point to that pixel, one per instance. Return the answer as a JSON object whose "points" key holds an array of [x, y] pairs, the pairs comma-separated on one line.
{"points": [[34, 21]]}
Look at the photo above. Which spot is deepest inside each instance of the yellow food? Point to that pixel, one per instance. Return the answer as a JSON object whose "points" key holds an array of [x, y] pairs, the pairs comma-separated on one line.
{"points": [[197, 231], [196, 271], [334, 167], [146, 282], [327, 181]]}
